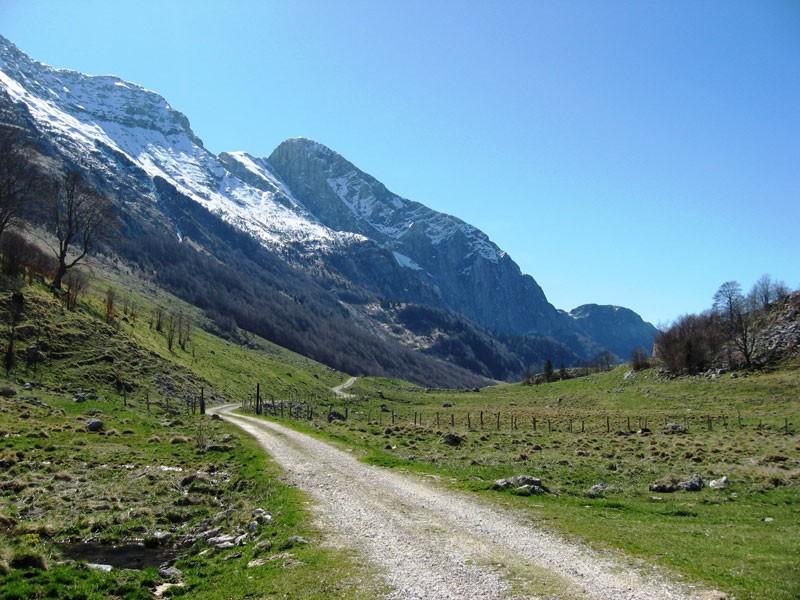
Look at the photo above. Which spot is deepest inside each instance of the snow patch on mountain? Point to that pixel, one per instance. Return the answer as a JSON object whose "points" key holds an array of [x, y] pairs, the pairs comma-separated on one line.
{"points": [[395, 216], [85, 114], [406, 262]]}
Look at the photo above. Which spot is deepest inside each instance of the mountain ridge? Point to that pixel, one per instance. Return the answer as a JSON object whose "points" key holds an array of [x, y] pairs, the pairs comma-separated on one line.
{"points": [[305, 203]]}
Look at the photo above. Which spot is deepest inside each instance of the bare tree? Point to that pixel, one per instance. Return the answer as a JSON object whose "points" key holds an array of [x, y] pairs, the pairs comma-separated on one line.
{"points": [[172, 327], [548, 370], [77, 282], [738, 315], [110, 305], [15, 175], [13, 309], [157, 321], [603, 360], [690, 343], [185, 333], [79, 217], [639, 359]]}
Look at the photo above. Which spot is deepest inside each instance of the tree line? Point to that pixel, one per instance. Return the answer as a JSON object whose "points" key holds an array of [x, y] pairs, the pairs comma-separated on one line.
{"points": [[727, 334]]}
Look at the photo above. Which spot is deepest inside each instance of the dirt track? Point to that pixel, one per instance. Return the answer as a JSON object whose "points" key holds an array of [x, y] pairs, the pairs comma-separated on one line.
{"points": [[429, 542]]}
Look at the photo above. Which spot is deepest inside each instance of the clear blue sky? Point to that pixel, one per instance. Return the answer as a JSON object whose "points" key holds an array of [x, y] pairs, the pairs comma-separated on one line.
{"points": [[636, 153]]}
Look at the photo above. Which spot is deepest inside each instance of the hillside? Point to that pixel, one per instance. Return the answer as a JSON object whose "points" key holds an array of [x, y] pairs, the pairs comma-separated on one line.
{"points": [[105, 419]]}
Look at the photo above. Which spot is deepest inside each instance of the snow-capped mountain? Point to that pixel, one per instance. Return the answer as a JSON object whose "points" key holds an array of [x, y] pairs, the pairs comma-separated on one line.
{"points": [[93, 116], [322, 224]]}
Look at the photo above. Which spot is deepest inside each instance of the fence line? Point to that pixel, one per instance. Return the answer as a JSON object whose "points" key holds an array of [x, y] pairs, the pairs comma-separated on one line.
{"points": [[475, 420]]}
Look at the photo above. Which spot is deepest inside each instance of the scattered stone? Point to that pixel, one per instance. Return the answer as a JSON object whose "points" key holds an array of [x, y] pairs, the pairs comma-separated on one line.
{"points": [[768, 519], [447, 405], [262, 516], [335, 416], [296, 540], [671, 428], [257, 562], [522, 484], [224, 546], [99, 567], [664, 487], [629, 375], [529, 490], [263, 546], [171, 574], [157, 538], [221, 539], [693, 484], [452, 439], [718, 484], [598, 490], [94, 425], [253, 526], [161, 589]]}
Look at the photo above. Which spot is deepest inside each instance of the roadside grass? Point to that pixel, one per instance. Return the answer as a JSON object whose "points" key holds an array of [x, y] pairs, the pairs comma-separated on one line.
{"points": [[63, 484], [743, 539], [152, 480]]}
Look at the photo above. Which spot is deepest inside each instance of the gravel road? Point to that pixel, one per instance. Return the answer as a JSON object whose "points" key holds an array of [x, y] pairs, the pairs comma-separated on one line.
{"points": [[338, 390], [427, 541]]}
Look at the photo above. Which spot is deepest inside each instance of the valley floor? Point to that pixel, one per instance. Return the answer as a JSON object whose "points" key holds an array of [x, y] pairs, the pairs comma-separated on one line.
{"points": [[431, 542]]}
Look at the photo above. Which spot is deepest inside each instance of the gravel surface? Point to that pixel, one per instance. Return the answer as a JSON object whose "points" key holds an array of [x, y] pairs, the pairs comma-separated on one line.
{"points": [[430, 542], [338, 390]]}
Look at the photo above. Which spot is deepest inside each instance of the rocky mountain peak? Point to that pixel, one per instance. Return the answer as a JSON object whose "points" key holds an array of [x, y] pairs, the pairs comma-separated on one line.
{"points": [[306, 202]]}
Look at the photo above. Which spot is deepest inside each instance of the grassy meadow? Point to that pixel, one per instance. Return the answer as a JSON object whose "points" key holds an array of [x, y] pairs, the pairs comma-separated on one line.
{"points": [[608, 429]]}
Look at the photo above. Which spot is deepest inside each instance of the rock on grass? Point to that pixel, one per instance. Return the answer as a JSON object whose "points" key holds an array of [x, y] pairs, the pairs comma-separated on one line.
{"points": [[524, 485]]}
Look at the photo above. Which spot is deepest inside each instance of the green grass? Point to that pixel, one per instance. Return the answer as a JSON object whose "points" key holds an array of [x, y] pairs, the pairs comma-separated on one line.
{"points": [[744, 539], [61, 484], [83, 352], [70, 484]]}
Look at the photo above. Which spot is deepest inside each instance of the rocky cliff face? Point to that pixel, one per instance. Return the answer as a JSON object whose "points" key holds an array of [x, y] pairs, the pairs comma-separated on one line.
{"points": [[778, 334], [327, 231], [473, 275]]}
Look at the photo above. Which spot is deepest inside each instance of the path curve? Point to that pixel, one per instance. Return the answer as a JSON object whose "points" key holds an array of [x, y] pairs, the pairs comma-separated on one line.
{"points": [[430, 542], [338, 390]]}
